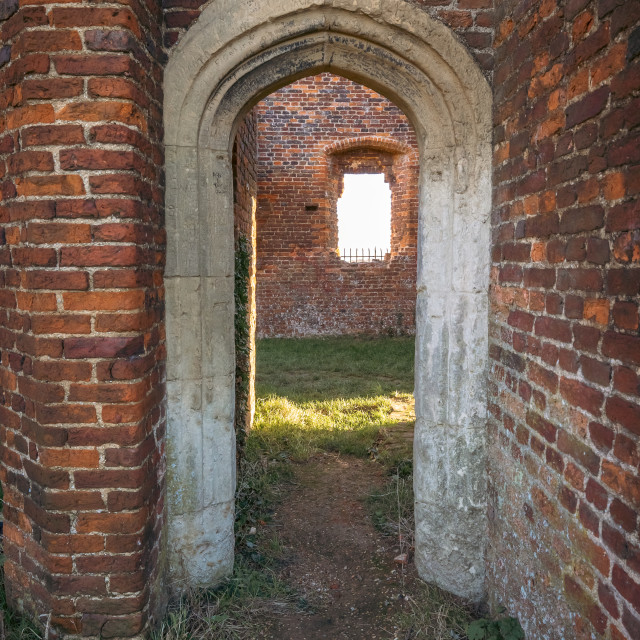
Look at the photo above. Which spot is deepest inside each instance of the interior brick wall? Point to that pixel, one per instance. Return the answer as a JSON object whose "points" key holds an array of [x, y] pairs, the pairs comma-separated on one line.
{"points": [[245, 193], [309, 134], [565, 349], [81, 312]]}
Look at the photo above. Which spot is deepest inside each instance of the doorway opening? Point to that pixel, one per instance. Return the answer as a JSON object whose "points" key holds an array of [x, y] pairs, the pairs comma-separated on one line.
{"points": [[311, 136], [332, 402]]}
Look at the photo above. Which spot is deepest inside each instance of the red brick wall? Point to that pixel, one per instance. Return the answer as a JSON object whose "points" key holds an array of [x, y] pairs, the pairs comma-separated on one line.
{"points": [[81, 334], [245, 176], [310, 134], [565, 349]]}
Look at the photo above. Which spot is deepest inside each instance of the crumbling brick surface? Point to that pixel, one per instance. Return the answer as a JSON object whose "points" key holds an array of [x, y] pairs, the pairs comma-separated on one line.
{"points": [[311, 133], [81, 312], [565, 350]]}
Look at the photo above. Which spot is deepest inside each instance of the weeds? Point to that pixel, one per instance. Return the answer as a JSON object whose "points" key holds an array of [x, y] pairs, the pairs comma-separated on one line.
{"points": [[500, 629], [258, 484], [433, 614], [12, 625], [391, 507], [234, 610]]}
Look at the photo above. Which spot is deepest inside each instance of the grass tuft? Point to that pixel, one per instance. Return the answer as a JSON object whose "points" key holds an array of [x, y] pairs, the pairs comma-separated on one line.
{"points": [[433, 614], [391, 508], [14, 626], [298, 430], [234, 610]]}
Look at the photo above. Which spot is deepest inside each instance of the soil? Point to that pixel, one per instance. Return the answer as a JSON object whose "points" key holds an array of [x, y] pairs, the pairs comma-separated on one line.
{"points": [[335, 558]]}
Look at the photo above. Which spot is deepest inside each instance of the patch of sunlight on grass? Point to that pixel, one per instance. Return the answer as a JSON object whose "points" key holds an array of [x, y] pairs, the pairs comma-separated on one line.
{"points": [[328, 394], [300, 429]]}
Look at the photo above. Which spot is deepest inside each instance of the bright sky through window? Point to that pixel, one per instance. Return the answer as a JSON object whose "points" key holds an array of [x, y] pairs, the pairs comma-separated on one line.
{"points": [[364, 212]]}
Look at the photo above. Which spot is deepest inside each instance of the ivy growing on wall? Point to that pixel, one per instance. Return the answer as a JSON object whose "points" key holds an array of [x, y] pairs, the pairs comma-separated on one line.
{"points": [[243, 254]]}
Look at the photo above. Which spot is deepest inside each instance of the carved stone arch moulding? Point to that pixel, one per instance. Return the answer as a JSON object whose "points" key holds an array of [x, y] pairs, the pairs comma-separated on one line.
{"points": [[236, 53]]}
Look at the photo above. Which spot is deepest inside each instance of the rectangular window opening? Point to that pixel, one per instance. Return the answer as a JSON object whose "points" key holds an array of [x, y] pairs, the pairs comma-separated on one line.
{"points": [[364, 218]]}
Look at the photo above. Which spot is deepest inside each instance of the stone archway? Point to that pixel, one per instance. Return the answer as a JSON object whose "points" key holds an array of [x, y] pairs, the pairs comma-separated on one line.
{"points": [[238, 52]]}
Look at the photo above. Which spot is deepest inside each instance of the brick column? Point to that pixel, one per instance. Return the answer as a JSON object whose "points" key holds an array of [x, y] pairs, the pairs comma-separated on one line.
{"points": [[81, 304]]}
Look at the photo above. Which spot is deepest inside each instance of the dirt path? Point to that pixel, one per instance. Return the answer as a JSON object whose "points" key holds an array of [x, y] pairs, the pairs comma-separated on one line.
{"points": [[335, 558]]}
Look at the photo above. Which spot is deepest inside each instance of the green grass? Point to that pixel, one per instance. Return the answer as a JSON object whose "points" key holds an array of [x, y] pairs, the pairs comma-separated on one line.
{"points": [[433, 614], [391, 507], [233, 610], [334, 368], [12, 625], [327, 394], [297, 430]]}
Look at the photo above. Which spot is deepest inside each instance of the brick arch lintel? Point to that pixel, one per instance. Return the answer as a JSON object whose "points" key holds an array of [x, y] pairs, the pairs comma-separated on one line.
{"points": [[374, 143]]}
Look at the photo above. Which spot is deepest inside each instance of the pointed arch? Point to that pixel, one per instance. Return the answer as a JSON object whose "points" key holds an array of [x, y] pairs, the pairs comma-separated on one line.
{"points": [[238, 52]]}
